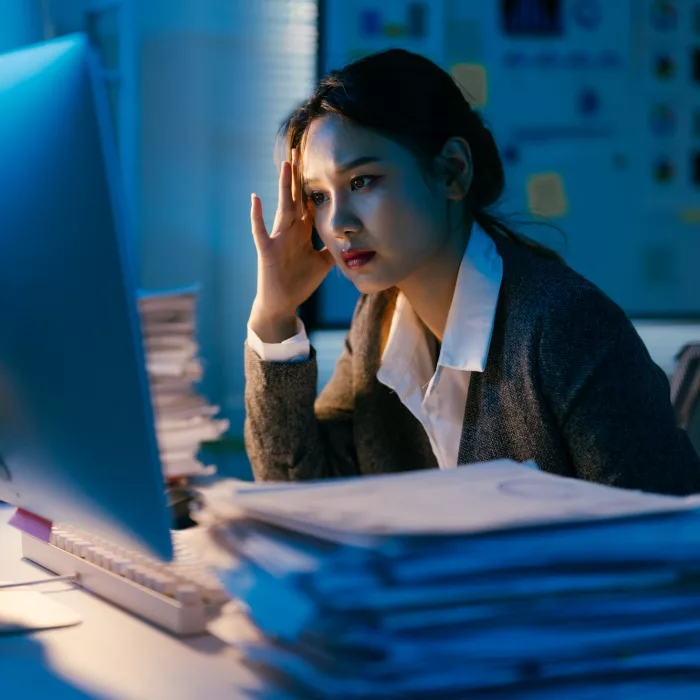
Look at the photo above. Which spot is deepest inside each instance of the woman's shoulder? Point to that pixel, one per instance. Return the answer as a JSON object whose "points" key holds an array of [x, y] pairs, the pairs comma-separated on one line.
{"points": [[549, 293]]}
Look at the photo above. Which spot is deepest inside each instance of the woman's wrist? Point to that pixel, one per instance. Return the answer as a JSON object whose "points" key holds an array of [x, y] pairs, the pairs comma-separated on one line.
{"points": [[272, 328]]}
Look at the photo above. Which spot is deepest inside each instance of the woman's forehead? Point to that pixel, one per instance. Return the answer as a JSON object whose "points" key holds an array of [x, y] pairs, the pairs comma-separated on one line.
{"points": [[333, 141]]}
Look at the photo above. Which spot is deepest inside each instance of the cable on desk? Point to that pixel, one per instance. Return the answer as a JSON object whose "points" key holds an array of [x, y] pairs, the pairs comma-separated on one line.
{"points": [[73, 578]]}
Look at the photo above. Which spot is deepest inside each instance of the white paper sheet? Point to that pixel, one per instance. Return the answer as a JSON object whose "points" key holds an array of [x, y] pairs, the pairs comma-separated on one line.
{"points": [[493, 496]]}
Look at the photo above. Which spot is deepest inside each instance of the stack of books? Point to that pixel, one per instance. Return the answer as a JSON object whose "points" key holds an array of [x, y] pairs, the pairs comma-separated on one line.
{"points": [[184, 418], [488, 581]]}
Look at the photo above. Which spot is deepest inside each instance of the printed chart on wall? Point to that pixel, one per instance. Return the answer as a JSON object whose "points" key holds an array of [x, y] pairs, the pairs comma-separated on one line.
{"points": [[595, 106]]}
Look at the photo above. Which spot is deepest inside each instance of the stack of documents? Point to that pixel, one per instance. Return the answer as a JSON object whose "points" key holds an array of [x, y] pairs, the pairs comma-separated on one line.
{"points": [[491, 580], [184, 419]]}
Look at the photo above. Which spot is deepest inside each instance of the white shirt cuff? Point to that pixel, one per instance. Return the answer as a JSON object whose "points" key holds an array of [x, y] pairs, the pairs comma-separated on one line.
{"points": [[294, 349]]}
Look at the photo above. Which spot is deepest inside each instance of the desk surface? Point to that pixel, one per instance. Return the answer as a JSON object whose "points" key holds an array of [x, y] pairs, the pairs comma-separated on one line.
{"points": [[111, 655]]}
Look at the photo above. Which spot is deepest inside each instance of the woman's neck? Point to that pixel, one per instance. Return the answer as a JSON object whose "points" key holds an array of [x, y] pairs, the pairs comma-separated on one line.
{"points": [[430, 289]]}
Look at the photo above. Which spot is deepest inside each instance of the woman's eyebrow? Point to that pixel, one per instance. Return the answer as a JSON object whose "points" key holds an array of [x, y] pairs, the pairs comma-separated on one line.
{"points": [[356, 163]]}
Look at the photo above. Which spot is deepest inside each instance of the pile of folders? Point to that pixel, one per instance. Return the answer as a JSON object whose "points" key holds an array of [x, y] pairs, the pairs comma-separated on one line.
{"points": [[486, 581]]}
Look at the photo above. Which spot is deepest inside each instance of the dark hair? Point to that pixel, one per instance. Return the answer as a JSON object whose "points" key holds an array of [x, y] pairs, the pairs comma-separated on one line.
{"points": [[409, 99]]}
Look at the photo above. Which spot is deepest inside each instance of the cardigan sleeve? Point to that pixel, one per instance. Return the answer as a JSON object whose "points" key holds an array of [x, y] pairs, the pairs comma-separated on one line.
{"points": [[290, 434], [611, 401]]}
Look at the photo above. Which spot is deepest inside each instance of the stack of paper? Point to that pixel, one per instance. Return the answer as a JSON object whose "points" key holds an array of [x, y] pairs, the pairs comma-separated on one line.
{"points": [[184, 419], [492, 580]]}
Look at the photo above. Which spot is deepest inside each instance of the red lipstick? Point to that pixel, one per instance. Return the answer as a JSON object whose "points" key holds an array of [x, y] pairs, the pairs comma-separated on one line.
{"points": [[356, 258]]}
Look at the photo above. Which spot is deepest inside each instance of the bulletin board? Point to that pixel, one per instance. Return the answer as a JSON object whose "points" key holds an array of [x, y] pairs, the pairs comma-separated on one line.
{"points": [[595, 105]]}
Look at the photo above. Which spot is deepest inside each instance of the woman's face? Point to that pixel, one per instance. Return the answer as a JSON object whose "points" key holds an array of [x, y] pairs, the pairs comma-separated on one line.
{"points": [[378, 213]]}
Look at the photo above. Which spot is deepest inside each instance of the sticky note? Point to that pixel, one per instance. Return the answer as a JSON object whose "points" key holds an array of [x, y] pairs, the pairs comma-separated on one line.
{"points": [[546, 195], [690, 215], [472, 81], [394, 30]]}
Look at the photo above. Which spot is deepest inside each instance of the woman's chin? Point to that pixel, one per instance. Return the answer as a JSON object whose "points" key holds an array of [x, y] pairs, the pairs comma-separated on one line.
{"points": [[367, 279], [369, 285]]}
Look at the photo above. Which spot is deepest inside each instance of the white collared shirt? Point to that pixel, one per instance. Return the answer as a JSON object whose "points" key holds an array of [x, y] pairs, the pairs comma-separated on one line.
{"points": [[437, 399]]}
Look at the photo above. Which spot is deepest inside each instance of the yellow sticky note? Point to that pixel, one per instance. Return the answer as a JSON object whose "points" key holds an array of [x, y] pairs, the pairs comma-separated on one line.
{"points": [[690, 215], [472, 81], [546, 195], [395, 30]]}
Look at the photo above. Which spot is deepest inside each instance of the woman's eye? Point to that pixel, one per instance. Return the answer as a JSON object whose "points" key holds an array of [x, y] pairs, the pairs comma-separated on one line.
{"points": [[317, 198], [359, 183]]}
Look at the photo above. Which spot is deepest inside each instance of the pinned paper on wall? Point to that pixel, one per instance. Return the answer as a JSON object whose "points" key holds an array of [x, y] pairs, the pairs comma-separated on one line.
{"points": [[664, 170], [414, 23], [664, 66], [546, 195], [664, 15], [472, 81], [587, 13], [695, 168], [662, 119], [532, 17]]}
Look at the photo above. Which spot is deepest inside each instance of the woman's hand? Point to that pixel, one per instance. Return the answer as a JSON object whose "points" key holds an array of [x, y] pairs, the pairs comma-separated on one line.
{"points": [[289, 268]]}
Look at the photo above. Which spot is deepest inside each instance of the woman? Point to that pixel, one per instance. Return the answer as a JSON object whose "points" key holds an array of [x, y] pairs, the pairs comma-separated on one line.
{"points": [[469, 342]]}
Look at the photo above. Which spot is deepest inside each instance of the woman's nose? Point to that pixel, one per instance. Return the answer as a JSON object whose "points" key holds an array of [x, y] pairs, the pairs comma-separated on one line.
{"points": [[344, 221]]}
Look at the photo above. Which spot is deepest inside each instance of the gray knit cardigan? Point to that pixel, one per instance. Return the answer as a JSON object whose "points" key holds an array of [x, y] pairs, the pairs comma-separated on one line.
{"points": [[568, 383]]}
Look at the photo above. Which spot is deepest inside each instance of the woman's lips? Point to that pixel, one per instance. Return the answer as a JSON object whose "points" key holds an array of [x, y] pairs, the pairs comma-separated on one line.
{"points": [[355, 259]]}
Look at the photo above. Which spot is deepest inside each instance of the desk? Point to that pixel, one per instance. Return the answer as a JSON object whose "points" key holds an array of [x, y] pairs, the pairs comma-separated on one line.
{"points": [[111, 655]]}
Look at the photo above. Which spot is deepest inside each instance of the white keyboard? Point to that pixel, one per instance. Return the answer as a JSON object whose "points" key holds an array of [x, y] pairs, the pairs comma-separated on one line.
{"points": [[181, 596]]}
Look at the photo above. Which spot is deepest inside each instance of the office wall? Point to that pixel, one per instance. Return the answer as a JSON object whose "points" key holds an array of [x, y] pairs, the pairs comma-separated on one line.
{"points": [[216, 80], [596, 108]]}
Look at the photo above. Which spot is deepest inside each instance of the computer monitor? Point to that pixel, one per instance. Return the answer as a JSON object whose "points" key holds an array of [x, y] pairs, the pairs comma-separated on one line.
{"points": [[77, 435]]}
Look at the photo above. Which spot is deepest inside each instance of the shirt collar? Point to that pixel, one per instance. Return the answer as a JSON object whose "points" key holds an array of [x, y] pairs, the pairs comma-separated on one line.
{"points": [[469, 328]]}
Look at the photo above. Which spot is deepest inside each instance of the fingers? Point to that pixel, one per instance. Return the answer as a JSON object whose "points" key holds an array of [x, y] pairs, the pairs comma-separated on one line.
{"points": [[297, 193], [308, 212], [257, 223], [286, 209], [291, 205], [286, 201]]}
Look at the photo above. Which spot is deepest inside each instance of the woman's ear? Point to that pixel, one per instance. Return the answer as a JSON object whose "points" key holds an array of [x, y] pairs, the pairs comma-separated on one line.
{"points": [[456, 165]]}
